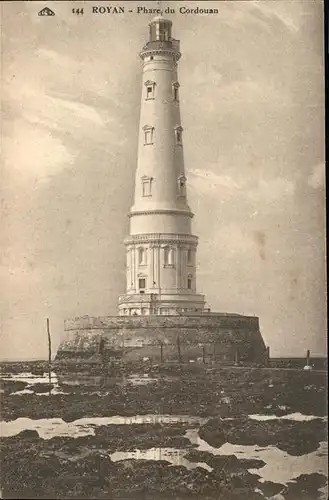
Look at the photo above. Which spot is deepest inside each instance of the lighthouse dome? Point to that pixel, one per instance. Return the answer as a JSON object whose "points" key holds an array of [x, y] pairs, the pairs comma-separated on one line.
{"points": [[160, 29], [159, 19]]}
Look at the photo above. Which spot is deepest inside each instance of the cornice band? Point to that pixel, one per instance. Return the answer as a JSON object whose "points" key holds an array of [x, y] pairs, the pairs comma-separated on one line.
{"points": [[165, 211]]}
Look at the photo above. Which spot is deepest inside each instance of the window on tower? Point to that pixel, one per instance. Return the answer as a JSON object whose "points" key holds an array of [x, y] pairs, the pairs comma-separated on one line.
{"points": [[165, 256], [169, 256], [147, 186], [179, 135], [141, 256], [181, 185], [189, 256], [189, 282], [142, 283], [150, 89], [175, 86], [148, 135]]}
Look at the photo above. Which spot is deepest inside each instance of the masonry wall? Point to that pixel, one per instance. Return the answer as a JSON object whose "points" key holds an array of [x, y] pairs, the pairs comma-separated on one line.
{"points": [[218, 336]]}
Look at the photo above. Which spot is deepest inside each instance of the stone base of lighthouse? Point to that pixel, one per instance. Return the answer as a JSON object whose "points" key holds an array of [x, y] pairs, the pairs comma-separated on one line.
{"points": [[165, 304], [217, 337]]}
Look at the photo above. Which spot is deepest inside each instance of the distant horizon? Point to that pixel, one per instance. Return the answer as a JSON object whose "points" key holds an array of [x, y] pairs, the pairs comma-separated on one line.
{"points": [[317, 356]]}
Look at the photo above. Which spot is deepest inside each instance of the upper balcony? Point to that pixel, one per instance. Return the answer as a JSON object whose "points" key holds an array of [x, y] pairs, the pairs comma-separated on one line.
{"points": [[171, 45]]}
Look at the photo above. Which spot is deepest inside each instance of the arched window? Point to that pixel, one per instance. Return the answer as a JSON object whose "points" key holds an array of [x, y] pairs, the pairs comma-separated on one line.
{"points": [[189, 282], [141, 256], [169, 256], [166, 256]]}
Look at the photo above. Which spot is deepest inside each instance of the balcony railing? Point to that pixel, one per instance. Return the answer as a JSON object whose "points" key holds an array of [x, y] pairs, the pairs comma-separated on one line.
{"points": [[172, 44], [141, 298]]}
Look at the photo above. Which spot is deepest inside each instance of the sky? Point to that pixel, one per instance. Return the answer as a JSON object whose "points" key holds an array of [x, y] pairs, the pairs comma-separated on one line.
{"points": [[252, 106]]}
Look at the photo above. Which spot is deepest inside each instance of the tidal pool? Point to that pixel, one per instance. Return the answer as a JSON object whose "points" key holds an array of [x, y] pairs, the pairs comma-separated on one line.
{"points": [[280, 466], [48, 428], [173, 455]]}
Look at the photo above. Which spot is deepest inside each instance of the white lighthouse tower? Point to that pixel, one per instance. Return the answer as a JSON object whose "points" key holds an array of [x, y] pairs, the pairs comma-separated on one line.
{"points": [[160, 248]]}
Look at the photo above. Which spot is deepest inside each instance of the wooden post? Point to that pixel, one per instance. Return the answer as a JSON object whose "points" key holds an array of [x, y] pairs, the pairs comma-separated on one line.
{"points": [[49, 352], [268, 355], [237, 356], [178, 350], [308, 357], [161, 352], [203, 354], [214, 355]]}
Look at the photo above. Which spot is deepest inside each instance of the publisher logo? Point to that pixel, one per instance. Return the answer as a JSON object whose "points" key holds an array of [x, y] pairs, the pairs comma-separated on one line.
{"points": [[46, 12]]}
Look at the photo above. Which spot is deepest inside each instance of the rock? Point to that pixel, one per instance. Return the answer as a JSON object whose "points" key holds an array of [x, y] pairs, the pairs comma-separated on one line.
{"points": [[270, 489], [41, 387], [12, 386], [28, 434], [305, 487], [212, 432], [296, 438]]}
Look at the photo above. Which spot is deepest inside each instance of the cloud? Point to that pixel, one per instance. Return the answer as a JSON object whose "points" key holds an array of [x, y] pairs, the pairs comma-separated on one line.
{"points": [[206, 179], [271, 190], [253, 129], [317, 177], [253, 188], [34, 152], [267, 14]]}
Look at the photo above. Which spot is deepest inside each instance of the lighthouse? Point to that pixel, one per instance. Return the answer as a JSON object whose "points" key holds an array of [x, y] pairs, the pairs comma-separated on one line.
{"points": [[161, 316], [160, 249]]}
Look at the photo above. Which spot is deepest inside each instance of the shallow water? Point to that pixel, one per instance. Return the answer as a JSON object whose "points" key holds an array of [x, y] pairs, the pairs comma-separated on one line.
{"points": [[138, 380], [297, 417], [173, 455], [51, 427], [31, 380], [48, 428], [280, 466]]}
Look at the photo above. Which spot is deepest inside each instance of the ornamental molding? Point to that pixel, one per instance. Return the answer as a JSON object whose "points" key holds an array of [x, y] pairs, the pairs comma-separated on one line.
{"points": [[160, 52], [164, 211], [157, 240], [162, 236], [182, 244]]}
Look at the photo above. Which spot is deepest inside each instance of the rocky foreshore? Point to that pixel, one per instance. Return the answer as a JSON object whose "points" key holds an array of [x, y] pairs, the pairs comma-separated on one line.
{"points": [[296, 438], [82, 468], [209, 392], [223, 401]]}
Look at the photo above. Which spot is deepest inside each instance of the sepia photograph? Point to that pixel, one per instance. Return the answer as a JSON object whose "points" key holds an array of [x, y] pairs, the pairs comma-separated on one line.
{"points": [[163, 313]]}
